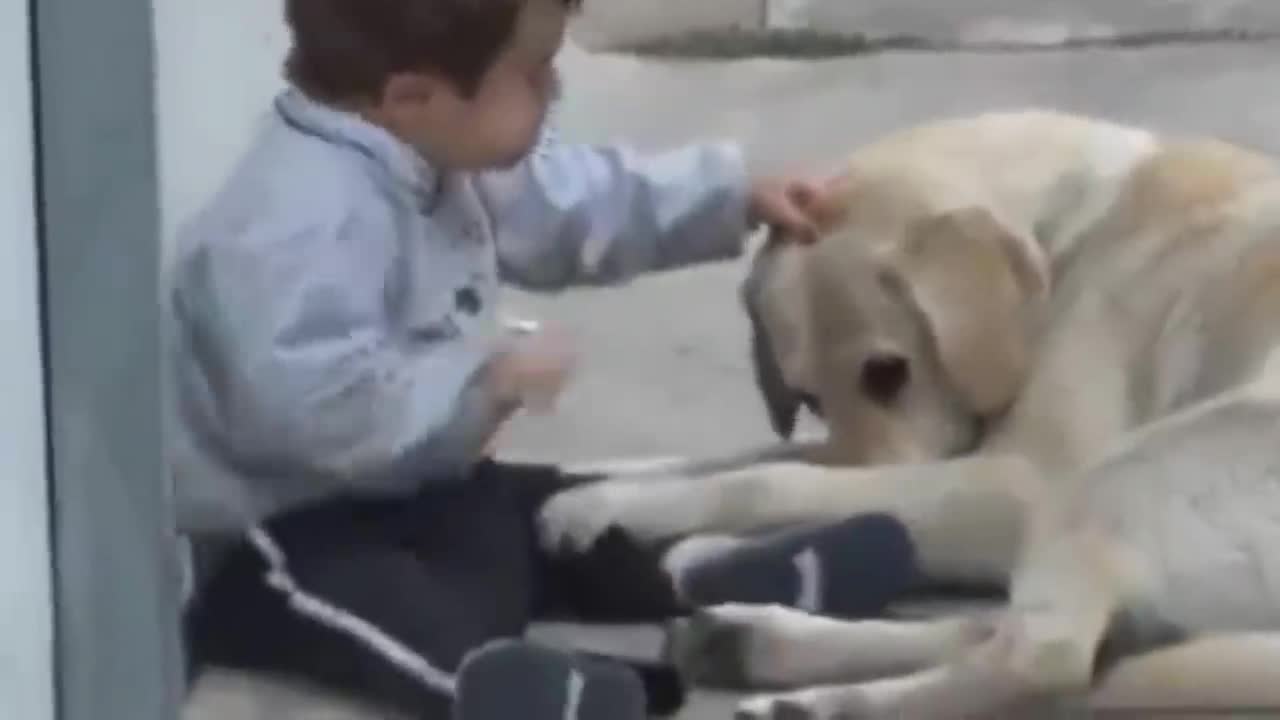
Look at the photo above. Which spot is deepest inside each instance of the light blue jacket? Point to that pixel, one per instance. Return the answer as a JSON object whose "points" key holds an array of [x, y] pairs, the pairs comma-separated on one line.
{"points": [[331, 306]]}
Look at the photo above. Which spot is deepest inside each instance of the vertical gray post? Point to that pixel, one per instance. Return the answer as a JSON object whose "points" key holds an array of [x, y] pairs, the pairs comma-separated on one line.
{"points": [[117, 593]]}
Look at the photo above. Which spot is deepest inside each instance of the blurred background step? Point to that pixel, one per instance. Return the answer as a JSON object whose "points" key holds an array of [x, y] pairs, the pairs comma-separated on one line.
{"points": [[662, 24]]}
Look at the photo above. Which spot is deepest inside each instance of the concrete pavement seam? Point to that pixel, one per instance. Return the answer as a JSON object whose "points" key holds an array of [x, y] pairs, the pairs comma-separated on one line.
{"points": [[816, 44]]}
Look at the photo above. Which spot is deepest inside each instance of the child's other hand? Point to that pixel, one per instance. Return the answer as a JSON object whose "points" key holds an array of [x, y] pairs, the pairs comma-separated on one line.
{"points": [[786, 205], [533, 369]]}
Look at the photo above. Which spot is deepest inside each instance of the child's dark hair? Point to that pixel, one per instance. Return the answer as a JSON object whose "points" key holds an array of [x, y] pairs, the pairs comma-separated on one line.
{"points": [[346, 49]]}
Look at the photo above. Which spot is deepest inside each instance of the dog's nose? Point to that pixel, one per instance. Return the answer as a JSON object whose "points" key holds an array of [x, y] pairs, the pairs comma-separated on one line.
{"points": [[812, 402]]}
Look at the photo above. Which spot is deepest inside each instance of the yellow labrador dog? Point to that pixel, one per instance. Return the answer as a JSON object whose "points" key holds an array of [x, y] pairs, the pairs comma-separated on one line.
{"points": [[1047, 344]]}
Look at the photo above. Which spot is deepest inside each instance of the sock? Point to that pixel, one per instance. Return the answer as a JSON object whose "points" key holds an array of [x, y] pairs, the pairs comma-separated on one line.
{"points": [[509, 679], [851, 569], [619, 580]]}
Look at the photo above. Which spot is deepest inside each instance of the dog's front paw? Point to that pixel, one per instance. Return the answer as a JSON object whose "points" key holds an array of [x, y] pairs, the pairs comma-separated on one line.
{"points": [[573, 520], [814, 704], [728, 647]]}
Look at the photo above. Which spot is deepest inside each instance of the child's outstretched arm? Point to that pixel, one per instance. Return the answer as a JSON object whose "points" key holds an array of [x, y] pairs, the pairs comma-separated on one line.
{"points": [[593, 214]]}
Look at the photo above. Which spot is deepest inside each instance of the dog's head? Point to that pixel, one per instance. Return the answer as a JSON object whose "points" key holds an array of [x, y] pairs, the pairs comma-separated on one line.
{"points": [[905, 328]]}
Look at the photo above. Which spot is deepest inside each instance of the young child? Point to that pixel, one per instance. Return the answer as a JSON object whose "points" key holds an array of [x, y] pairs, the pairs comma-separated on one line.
{"points": [[338, 365]]}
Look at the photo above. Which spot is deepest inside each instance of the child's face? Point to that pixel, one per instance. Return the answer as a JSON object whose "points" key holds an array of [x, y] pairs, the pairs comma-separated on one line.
{"points": [[499, 125]]}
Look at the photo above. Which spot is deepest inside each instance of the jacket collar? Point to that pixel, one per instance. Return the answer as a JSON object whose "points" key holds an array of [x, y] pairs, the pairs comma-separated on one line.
{"points": [[404, 166]]}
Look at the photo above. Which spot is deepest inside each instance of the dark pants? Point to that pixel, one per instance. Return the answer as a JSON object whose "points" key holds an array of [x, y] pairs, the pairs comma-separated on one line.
{"points": [[382, 599]]}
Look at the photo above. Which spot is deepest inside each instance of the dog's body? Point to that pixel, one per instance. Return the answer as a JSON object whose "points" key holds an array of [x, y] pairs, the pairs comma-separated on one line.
{"points": [[1046, 344]]}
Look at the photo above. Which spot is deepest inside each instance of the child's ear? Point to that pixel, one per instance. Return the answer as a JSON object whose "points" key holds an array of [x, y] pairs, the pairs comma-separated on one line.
{"points": [[408, 88]]}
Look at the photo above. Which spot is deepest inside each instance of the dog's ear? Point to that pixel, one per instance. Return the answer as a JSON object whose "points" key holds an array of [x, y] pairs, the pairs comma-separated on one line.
{"points": [[781, 400], [974, 279]]}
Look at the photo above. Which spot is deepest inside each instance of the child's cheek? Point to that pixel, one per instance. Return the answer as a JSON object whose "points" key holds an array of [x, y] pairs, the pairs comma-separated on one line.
{"points": [[527, 117]]}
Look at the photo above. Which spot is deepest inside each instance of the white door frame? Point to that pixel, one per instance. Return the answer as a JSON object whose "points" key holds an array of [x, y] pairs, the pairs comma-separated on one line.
{"points": [[26, 578]]}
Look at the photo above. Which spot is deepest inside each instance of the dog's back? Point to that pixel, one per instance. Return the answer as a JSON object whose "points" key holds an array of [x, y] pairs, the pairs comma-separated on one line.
{"points": [[1171, 297], [1196, 236]]}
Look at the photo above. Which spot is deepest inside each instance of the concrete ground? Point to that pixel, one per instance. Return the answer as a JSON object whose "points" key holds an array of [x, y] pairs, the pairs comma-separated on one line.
{"points": [[665, 366]]}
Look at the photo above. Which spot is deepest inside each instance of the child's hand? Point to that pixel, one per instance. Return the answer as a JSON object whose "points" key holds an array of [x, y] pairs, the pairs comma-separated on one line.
{"points": [[785, 204], [533, 370]]}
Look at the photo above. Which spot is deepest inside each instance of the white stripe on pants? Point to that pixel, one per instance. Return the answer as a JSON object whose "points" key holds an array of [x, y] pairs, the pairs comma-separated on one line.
{"points": [[339, 620]]}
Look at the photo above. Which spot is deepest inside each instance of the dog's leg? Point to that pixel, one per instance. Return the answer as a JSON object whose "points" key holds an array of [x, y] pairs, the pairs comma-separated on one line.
{"points": [[1239, 672], [1210, 677], [1095, 557], [629, 468], [965, 517], [1063, 600], [775, 647], [1202, 677]]}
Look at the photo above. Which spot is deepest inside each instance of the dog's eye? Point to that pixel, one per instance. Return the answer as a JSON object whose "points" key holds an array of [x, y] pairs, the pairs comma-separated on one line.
{"points": [[884, 377]]}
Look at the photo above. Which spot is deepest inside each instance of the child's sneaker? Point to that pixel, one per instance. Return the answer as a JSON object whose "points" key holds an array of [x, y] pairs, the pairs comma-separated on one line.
{"points": [[509, 679], [850, 569]]}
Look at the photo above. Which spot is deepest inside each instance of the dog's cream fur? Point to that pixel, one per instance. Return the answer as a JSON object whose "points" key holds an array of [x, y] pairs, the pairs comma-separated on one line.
{"points": [[1089, 316]]}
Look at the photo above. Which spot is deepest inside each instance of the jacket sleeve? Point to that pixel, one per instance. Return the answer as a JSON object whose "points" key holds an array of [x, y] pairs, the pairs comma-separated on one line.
{"points": [[295, 346], [576, 214]]}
